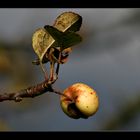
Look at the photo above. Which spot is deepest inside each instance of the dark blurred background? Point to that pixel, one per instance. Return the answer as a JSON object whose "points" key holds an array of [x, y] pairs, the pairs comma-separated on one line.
{"points": [[107, 59]]}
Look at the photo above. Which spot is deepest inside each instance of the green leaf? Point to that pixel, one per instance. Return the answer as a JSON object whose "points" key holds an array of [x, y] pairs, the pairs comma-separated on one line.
{"points": [[55, 33], [64, 39], [71, 39]]}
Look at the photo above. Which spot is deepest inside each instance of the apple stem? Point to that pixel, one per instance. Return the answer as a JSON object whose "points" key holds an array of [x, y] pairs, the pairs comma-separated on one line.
{"points": [[60, 93]]}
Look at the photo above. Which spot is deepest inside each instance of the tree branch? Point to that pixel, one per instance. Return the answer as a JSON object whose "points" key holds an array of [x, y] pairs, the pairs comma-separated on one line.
{"points": [[29, 92]]}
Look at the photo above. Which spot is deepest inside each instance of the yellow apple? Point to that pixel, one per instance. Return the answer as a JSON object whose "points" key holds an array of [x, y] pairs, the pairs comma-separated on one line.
{"points": [[81, 101]]}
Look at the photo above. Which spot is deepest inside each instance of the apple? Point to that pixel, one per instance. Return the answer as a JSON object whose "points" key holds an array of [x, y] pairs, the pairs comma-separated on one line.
{"points": [[80, 101]]}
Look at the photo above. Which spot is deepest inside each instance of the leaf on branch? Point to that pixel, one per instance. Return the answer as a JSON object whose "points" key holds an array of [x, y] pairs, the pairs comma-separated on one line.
{"points": [[64, 40]]}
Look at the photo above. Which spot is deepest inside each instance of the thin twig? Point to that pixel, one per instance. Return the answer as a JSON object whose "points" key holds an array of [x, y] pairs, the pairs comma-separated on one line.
{"points": [[57, 68]]}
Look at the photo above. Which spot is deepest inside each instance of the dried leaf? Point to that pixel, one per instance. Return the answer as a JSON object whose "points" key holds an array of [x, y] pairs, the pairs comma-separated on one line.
{"points": [[60, 36], [68, 21], [41, 42]]}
